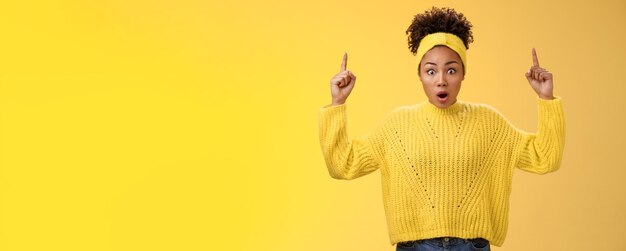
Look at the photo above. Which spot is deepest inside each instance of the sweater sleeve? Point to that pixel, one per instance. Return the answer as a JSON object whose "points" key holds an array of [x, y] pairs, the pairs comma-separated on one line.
{"points": [[345, 158], [541, 152]]}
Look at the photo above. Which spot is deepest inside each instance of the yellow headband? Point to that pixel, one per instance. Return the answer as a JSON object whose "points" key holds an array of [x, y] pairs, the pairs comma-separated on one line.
{"points": [[441, 38]]}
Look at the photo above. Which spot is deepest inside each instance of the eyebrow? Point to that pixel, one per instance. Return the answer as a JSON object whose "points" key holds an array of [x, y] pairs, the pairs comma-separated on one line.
{"points": [[450, 62]]}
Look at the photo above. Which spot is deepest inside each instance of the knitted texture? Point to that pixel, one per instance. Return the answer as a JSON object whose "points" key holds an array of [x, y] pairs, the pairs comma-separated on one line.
{"points": [[444, 172]]}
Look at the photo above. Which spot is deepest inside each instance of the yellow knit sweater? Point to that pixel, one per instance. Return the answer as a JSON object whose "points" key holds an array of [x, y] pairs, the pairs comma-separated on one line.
{"points": [[444, 172]]}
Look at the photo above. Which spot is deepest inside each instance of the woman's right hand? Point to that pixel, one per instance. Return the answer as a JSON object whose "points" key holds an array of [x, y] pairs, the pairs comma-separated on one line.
{"points": [[342, 83]]}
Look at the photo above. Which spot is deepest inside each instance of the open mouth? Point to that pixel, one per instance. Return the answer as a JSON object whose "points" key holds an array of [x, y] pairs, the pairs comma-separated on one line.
{"points": [[442, 96]]}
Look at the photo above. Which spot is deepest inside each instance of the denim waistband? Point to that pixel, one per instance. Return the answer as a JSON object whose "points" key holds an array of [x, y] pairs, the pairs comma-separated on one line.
{"points": [[446, 241]]}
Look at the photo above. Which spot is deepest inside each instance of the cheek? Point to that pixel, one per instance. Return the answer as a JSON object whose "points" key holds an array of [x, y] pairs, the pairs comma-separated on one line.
{"points": [[427, 88], [427, 84], [457, 86], [425, 78]]}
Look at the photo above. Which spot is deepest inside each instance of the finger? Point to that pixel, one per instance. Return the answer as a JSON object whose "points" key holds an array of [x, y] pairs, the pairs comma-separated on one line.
{"points": [[538, 69], [347, 79], [545, 75], [344, 81], [337, 80], [351, 74], [352, 78], [344, 63], [541, 70], [531, 72], [538, 74], [535, 59]]}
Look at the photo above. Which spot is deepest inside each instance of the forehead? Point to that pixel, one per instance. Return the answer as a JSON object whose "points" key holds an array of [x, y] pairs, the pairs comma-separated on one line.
{"points": [[440, 53]]}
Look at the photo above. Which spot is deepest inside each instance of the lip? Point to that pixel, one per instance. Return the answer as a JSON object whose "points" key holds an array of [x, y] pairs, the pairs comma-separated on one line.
{"points": [[442, 100]]}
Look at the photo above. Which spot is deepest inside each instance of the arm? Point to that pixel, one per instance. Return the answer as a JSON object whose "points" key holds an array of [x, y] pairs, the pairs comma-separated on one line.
{"points": [[541, 152], [345, 158]]}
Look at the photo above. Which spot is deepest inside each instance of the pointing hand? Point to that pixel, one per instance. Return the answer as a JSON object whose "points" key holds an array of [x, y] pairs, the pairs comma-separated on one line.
{"points": [[342, 83], [540, 79]]}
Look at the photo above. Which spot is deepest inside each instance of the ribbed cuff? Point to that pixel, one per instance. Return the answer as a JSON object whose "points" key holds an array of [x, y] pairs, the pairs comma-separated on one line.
{"points": [[550, 108], [331, 119], [331, 105], [332, 114]]}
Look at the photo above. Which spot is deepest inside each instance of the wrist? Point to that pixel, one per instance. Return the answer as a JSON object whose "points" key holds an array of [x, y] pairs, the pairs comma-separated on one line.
{"points": [[546, 97], [338, 102]]}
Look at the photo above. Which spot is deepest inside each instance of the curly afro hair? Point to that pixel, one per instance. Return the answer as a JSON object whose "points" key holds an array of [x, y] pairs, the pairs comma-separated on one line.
{"points": [[439, 20]]}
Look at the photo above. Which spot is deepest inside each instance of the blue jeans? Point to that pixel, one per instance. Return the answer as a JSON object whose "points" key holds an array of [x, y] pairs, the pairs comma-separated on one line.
{"points": [[445, 243]]}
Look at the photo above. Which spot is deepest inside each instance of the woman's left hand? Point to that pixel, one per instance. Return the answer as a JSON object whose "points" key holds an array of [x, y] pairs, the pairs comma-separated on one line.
{"points": [[540, 79]]}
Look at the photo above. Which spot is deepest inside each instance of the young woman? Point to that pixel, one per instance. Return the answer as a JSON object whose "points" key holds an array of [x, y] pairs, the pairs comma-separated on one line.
{"points": [[446, 164]]}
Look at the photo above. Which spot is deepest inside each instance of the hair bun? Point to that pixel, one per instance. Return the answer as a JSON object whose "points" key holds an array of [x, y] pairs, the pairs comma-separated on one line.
{"points": [[439, 20]]}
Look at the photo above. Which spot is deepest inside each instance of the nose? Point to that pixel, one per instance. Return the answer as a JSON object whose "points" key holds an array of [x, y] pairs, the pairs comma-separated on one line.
{"points": [[441, 81]]}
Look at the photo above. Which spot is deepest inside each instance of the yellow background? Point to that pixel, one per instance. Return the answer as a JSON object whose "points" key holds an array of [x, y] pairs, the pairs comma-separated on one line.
{"points": [[192, 125]]}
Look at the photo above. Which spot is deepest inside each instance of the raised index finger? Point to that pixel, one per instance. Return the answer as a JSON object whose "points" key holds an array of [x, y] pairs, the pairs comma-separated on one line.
{"points": [[535, 60], [344, 63]]}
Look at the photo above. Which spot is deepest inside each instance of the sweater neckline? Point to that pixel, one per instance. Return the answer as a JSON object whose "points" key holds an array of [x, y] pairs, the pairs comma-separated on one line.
{"points": [[450, 110]]}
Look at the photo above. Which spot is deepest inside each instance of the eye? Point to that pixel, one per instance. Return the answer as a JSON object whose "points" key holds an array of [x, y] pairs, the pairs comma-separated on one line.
{"points": [[430, 72], [451, 71]]}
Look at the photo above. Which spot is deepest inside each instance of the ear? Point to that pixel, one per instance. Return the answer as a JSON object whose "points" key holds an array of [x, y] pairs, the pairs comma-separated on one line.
{"points": [[463, 78], [419, 74]]}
